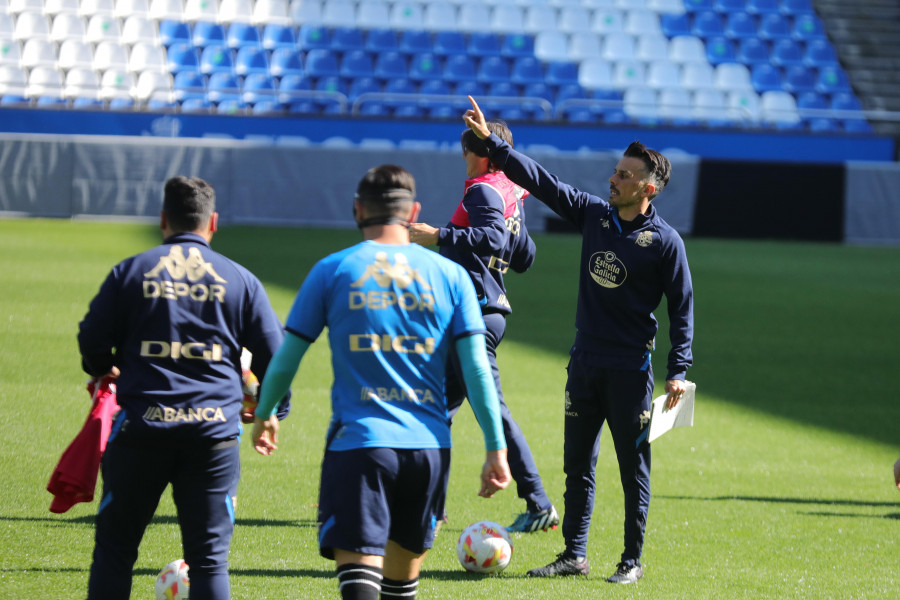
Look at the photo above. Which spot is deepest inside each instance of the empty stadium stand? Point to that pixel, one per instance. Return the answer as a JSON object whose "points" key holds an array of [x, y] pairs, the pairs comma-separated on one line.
{"points": [[759, 64]]}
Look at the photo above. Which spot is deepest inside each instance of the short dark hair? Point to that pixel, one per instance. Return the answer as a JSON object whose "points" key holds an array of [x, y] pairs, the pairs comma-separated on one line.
{"points": [[188, 202], [386, 191], [658, 166], [472, 143]]}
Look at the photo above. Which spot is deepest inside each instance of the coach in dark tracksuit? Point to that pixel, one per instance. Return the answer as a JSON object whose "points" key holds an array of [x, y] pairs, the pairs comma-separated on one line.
{"points": [[487, 236], [630, 258], [170, 325]]}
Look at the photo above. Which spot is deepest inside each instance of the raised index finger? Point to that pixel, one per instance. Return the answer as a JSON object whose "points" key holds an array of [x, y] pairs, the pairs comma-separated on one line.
{"points": [[475, 108]]}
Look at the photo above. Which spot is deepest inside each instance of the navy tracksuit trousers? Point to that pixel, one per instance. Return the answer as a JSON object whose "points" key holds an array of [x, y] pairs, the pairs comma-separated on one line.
{"points": [[621, 398], [522, 467], [204, 484]]}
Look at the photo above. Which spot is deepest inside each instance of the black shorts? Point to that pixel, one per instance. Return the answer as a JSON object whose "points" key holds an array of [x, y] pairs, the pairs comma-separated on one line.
{"points": [[368, 496]]}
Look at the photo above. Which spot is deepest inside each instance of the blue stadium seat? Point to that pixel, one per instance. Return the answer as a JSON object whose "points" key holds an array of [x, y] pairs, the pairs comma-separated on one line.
{"points": [[502, 88], [250, 60], [459, 67], [374, 108], [381, 40], [674, 24], [698, 5], [539, 90], [773, 26], [492, 69], [223, 86], [706, 24], [258, 87], [832, 80], [796, 7], [332, 85], [822, 124], [753, 51], [311, 36], [720, 50], [278, 36], [81, 103], [173, 32], [321, 62], [845, 101], [579, 114], [435, 87], [415, 41], [363, 85], [196, 106], [561, 73], [527, 70], [390, 65], [425, 66], [346, 39], [449, 42], [808, 27], [729, 6], [285, 61], [266, 108], [820, 53], [798, 79], [189, 85], [857, 126], [811, 101], [242, 35], [483, 44], [740, 25], [570, 91], [766, 77], [231, 106], [288, 87], [762, 7], [469, 88], [356, 63], [216, 59], [182, 57], [786, 53], [206, 33], [399, 86], [516, 45]]}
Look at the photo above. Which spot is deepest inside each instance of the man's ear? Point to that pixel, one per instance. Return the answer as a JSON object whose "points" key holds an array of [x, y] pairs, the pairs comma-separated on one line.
{"points": [[414, 212], [214, 222], [649, 190]]}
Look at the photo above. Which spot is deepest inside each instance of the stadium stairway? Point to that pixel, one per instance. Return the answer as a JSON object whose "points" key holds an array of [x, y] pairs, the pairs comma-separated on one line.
{"points": [[866, 34]]}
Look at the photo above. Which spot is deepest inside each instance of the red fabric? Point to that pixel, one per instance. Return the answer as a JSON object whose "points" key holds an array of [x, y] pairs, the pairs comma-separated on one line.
{"points": [[75, 476]]}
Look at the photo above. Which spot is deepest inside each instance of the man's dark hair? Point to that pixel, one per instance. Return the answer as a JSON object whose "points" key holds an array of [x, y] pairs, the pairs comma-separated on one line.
{"points": [[472, 143], [188, 202], [387, 191], [657, 165]]}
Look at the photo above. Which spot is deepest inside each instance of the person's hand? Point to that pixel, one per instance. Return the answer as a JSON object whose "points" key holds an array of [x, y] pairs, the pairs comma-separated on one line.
{"points": [[423, 234], [897, 473], [675, 389], [475, 121], [265, 435], [495, 473]]}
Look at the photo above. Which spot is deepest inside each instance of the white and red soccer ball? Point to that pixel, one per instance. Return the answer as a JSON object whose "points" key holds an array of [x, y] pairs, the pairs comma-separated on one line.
{"points": [[484, 547], [172, 583]]}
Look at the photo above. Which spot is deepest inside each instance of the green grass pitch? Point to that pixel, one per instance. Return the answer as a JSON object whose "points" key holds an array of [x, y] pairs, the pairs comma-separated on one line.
{"points": [[782, 489]]}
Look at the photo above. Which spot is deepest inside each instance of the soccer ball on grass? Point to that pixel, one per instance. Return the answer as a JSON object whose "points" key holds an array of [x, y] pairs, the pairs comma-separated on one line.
{"points": [[484, 547], [172, 583]]}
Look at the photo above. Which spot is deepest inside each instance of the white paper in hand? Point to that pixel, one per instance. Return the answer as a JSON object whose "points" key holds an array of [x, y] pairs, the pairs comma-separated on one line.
{"points": [[662, 420]]}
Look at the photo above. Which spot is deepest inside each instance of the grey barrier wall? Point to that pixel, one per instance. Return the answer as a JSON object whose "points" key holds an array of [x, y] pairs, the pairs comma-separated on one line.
{"points": [[103, 177], [94, 176]]}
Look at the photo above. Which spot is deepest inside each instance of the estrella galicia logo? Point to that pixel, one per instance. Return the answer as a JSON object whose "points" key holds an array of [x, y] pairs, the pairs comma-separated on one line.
{"points": [[607, 270]]}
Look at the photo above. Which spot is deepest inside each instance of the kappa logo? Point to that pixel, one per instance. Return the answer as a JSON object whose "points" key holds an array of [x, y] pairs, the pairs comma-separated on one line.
{"points": [[192, 267], [644, 239], [384, 273], [645, 418]]}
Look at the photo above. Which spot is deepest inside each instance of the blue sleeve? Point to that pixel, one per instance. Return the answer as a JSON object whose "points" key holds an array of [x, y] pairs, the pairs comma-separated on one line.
{"points": [[97, 331], [282, 369], [563, 199], [309, 312], [487, 228], [525, 249], [680, 301], [481, 389]]}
